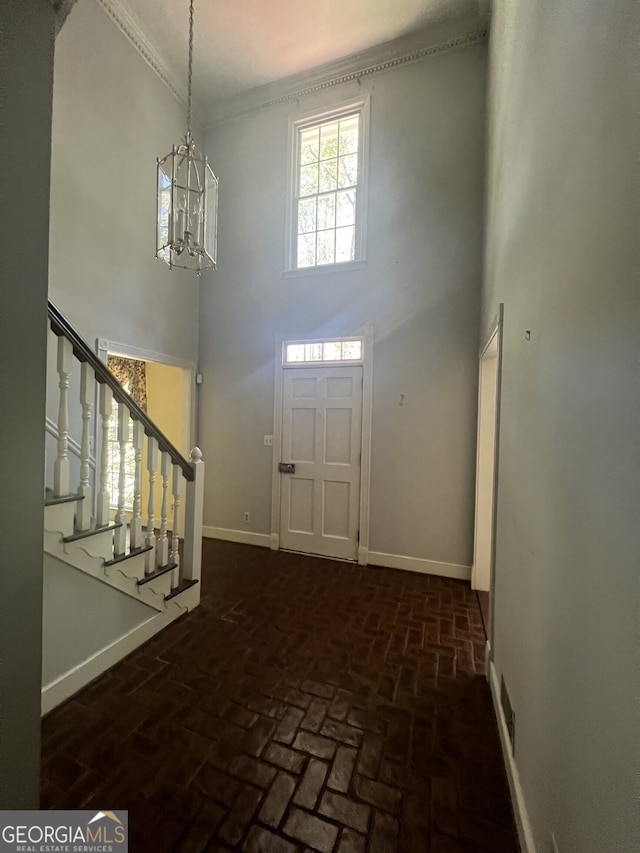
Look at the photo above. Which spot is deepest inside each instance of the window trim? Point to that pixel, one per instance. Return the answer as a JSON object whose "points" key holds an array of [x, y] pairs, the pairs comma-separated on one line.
{"points": [[363, 106]]}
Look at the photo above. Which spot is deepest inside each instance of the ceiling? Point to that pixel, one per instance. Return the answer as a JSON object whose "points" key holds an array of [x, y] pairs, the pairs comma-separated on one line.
{"points": [[243, 44]]}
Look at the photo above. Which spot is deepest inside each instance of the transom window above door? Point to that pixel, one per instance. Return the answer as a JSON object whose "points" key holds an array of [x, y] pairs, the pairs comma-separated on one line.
{"points": [[349, 350], [327, 208]]}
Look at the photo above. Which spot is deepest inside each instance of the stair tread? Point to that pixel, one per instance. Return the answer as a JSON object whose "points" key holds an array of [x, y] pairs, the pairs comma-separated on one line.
{"points": [[120, 558], [184, 584], [162, 570], [51, 500], [84, 534]]}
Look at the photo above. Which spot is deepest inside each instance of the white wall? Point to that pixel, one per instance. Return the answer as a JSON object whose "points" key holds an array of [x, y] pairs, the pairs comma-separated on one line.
{"points": [[563, 256], [420, 292], [81, 617], [26, 66], [112, 116]]}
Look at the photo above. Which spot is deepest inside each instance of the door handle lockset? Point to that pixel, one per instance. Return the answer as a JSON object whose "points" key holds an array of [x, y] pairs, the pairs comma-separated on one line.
{"points": [[287, 467]]}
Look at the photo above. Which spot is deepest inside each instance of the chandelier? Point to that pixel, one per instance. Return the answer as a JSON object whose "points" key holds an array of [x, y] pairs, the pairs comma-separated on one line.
{"points": [[187, 201]]}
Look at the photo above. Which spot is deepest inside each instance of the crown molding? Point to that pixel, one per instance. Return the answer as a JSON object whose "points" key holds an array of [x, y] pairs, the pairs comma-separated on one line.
{"points": [[381, 58], [131, 27]]}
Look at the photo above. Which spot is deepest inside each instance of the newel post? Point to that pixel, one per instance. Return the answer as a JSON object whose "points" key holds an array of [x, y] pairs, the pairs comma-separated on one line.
{"points": [[194, 507]]}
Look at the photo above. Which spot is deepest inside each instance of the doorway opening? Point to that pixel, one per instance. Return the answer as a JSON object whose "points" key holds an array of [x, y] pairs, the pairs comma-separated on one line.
{"points": [[163, 387]]}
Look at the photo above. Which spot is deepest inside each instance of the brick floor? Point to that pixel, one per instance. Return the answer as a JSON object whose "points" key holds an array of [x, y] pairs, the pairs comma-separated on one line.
{"points": [[306, 705]]}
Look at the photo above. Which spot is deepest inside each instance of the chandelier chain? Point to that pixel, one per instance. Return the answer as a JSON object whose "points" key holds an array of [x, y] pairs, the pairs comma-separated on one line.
{"points": [[190, 74]]}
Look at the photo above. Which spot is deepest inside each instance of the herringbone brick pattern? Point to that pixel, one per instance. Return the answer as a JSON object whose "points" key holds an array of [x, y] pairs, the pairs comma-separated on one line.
{"points": [[307, 705]]}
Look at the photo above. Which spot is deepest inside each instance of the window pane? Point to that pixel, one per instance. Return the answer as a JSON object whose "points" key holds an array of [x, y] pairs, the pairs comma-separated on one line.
{"points": [[345, 244], [313, 352], [113, 463], [308, 180], [351, 350], [346, 208], [329, 140], [328, 177], [295, 352], [348, 170], [326, 247], [326, 212], [309, 144], [349, 135], [332, 351], [307, 215], [306, 250]]}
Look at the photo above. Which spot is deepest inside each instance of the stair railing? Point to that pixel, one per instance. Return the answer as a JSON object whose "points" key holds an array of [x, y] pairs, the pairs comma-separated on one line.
{"points": [[175, 470]]}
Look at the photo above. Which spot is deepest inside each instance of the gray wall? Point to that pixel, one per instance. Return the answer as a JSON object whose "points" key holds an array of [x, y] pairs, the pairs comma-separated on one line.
{"points": [[112, 116], [26, 67], [420, 292], [562, 254], [81, 617]]}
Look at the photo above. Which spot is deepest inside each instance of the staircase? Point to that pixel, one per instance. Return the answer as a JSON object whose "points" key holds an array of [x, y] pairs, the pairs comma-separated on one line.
{"points": [[144, 558]]}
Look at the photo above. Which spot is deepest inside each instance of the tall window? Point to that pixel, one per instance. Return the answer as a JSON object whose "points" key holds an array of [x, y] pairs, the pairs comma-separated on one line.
{"points": [[328, 205], [113, 465], [132, 375]]}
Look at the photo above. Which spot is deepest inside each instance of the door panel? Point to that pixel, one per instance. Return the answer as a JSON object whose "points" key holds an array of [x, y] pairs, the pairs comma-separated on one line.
{"points": [[336, 509], [301, 505], [338, 437], [321, 435], [303, 435]]}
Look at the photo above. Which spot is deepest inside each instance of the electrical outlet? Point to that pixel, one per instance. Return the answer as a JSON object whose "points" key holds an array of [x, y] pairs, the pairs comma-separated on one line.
{"points": [[554, 844], [247, 517], [268, 441]]}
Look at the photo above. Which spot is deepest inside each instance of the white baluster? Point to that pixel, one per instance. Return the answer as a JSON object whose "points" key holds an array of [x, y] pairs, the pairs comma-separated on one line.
{"points": [[120, 536], [194, 506], [135, 536], [152, 464], [175, 535], [61, 465], [162, 555], [104, 498], [87, 394]]}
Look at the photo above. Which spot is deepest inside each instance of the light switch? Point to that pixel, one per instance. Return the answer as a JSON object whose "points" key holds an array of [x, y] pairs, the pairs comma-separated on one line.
{"points": [[268, 441]]}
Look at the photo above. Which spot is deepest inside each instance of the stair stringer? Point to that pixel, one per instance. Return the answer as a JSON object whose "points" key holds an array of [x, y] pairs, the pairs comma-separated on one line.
{"points": [[123, 576], [59, 522]]}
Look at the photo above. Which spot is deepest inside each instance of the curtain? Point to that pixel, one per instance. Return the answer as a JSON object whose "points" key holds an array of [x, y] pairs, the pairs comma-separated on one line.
{"points": [[133, 374]]}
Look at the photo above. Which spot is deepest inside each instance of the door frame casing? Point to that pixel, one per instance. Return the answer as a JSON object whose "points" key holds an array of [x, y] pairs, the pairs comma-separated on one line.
{"points": [[365, 460], [106, 347], [485, 444], [496, 331]]}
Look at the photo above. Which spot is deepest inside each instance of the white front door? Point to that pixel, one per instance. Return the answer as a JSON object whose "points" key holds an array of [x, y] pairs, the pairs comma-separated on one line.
{"points": [[321, 437]]}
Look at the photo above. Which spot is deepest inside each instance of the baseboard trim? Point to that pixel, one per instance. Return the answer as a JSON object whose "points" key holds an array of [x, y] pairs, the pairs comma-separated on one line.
{"points": [[66, 685], [417, 564], [244, 537], [487, 660], [523, 824]]}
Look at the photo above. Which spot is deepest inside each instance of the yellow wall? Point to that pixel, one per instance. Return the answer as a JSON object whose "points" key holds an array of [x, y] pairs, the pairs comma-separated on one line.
{"points": [[168, 406]]}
